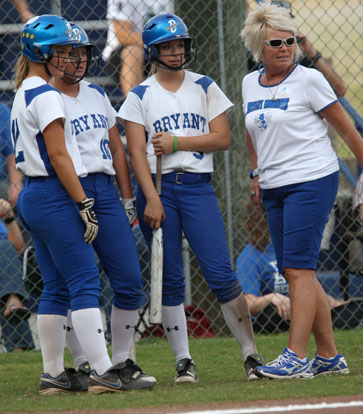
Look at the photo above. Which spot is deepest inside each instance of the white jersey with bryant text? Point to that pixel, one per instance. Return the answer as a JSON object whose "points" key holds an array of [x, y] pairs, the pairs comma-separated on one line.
{"points": [[187, 112], [289, 136], [36, 105], [89, 116]]}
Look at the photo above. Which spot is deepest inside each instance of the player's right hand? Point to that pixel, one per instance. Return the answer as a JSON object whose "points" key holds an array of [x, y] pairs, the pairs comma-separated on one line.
{"points": [[89, 218]]}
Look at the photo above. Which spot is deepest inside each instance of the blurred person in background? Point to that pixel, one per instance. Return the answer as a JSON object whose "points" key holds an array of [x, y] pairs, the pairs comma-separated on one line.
{"points": [[124, 44], [14, 315], [23, 9], [10, 177], [296, 172]]}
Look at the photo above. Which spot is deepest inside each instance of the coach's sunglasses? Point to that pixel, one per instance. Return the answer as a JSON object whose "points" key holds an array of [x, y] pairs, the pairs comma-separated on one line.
{"points": [[289, 41]]}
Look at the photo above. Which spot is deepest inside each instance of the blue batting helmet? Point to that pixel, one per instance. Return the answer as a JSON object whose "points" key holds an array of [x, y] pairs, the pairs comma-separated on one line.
{"points": [[164, 28], [80, 39], [80, 36], [41, 32]]}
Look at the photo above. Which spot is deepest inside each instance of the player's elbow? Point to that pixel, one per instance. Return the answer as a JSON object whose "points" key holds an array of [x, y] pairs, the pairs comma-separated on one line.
{"points": [[57, 158]]}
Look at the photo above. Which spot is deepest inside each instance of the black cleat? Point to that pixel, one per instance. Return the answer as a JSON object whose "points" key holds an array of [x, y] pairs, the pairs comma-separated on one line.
{"points": [[253, 361], [107, 382], [186, 371], [65, 382], [82, 374], [133, 377]]}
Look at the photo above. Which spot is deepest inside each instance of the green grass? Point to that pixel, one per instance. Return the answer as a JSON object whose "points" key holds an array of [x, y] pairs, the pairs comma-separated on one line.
{"points": [[220, 371]]}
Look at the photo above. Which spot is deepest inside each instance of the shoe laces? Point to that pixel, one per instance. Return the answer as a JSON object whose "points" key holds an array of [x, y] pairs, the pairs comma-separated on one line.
{"points": [[280, 360]]}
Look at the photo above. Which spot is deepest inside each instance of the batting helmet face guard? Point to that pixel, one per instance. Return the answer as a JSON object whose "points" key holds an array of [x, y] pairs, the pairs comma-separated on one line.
{"points": [[165, 28], [80, 39], [40, 33]]}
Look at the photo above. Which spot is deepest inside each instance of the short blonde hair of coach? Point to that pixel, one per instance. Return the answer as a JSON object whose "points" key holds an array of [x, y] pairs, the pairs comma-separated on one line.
{"points": [[254, 30]]}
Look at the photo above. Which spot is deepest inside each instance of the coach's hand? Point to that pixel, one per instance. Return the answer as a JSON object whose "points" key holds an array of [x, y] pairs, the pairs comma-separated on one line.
{"points": [[89, 218], [130, 209]]}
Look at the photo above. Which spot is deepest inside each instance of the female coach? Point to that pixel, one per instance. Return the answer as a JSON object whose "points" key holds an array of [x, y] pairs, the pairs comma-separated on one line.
{"points": [[295, 169]]}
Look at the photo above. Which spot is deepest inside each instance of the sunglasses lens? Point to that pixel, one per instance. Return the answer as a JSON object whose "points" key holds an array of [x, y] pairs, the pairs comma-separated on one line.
{"points": [[276, 43], [290, 41]]}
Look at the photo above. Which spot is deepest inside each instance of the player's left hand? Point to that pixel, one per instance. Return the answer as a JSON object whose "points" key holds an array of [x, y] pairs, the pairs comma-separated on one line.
{"points": [[130, 209], [89, 217], [163, 143]]}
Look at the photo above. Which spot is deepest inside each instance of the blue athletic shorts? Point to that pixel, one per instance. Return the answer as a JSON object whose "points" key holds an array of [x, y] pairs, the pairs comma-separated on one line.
{"points": [[296, 216]]}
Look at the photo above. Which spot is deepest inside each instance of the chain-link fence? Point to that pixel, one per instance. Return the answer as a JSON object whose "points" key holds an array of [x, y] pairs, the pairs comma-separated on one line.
{"points": [[333, 28]]}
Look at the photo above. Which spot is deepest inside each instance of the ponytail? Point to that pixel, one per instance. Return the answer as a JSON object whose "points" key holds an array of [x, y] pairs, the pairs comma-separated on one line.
{"points": [[21, 70]]}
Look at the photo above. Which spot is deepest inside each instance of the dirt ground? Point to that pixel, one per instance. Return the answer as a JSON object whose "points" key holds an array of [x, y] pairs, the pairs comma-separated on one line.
{"points": [[256, 406]]}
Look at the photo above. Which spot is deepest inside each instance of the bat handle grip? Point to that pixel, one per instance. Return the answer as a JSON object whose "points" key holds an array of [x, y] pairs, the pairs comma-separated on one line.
{"points": [[158, 174]]}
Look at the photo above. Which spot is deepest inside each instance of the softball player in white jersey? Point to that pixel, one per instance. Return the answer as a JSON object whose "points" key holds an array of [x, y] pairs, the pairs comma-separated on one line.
{"points": [[91, 123], [48, 206], [182, 116]]}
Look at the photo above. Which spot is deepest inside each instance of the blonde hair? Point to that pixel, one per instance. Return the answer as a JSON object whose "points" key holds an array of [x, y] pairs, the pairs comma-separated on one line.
{"points": [[21, 70], [262, 16]]}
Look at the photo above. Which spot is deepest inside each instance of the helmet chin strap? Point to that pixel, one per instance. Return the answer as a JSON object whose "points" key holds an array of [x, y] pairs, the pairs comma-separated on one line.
{"points": [[163, 65]]}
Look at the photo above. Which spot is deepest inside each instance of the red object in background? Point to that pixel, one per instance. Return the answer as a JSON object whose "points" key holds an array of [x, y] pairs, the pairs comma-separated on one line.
{"points": [[197, 323]]}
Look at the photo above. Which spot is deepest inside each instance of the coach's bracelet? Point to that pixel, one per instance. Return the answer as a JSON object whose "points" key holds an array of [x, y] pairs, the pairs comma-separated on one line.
{"points": [[254, 173], [8, 220], [175, 147]]}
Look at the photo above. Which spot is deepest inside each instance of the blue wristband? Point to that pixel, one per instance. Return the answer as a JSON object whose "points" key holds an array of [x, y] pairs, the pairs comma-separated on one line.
{"points": [[254, 173]]}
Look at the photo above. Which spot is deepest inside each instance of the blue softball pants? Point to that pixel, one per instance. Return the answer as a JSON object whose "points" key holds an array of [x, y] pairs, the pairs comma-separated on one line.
{"points": [[67, 263], [191, 206], [115, 244]]}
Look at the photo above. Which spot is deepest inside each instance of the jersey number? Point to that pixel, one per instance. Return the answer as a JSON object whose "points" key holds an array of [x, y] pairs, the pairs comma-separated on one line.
{"points": [[105, 149], [15, 134]]}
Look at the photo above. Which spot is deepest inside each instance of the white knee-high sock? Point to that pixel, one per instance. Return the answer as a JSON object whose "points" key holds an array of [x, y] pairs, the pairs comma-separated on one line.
{"points": [[52, 333], [123, 324], [88, 326], [175, 327], [73, 344], [238, 319]]}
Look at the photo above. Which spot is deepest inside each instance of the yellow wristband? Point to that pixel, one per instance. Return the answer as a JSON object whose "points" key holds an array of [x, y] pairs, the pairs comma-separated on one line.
{"points": [[175, 148]]}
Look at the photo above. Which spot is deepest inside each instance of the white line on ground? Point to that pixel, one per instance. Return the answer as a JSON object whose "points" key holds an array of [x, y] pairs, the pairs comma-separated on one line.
{"points": [[280, 409]]}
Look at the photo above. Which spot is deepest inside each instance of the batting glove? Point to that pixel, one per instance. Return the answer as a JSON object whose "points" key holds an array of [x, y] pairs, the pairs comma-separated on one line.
{"points": [[89, 218], [130, 209]]}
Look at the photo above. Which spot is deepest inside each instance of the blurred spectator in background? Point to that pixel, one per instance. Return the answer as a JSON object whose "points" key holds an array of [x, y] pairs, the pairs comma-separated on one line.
{"points": [[10, 178], [358, 197], [124, 44], [23, 9], [312, 58], [266, 290], [16, 334]]}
